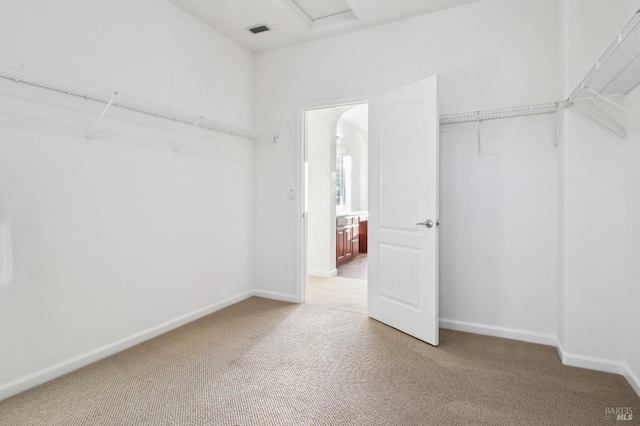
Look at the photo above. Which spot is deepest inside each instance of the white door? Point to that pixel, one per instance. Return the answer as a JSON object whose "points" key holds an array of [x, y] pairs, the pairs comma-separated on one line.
{"points": [[403, 216]]}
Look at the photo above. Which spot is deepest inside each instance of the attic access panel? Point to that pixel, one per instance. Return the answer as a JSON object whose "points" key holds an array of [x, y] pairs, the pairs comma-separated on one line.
{"points": [[322, 9]]}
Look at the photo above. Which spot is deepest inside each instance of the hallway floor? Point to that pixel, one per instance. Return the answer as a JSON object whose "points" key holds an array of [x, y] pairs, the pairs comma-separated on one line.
{"points": [[356, 268]]}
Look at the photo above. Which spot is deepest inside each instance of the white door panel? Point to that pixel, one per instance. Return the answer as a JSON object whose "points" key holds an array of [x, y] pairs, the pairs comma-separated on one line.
{"points": [[399, 159], [403, 187]]}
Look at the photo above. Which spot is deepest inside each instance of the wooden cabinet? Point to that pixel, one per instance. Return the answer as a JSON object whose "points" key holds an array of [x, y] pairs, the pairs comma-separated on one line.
{"points": [[344, 244], [362, 235], [348, 231], [348, 238], [340, 245]]}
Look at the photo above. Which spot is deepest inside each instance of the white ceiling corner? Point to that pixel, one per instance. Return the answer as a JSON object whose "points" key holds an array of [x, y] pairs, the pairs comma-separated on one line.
{"points": [[299, 21]]}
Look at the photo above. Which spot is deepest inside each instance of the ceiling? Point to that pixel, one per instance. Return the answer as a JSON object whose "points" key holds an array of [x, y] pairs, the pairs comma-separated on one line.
{"points": [[298, 21], [358, 116]]}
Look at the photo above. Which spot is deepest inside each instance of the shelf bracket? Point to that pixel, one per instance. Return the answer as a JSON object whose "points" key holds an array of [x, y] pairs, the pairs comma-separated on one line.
{"points": [[600, 118], [104, 112], [188, 135], [478, 132], [609, 114], [612, 103], [557, 123]]}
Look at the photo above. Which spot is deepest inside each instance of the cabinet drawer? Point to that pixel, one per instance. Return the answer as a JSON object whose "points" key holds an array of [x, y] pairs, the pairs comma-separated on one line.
{"points": [[347, 220]]}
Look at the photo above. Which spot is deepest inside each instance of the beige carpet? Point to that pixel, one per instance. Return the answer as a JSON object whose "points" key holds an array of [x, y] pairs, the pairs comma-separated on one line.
{"points": [[262, 362]]}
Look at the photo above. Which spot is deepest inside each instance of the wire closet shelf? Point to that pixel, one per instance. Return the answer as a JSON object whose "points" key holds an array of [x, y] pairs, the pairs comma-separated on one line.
{"points": [[493, 114], [25, 75], [617, 71]]}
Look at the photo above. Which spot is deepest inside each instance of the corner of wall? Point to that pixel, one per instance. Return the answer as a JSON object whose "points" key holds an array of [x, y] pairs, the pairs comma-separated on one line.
{"points": [[590, 363], [633, 380], [282, 297]]}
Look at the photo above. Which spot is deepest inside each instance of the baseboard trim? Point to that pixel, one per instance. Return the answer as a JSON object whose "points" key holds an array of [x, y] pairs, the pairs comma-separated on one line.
{"points": [[559, 350], [572, 360], [507, 333], [39, 377], [588, 362], [323, 274], [633, 380], [275, 296]]}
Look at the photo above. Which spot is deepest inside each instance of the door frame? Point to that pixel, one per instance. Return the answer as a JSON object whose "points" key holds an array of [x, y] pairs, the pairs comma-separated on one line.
{"points": [[301, 151]]}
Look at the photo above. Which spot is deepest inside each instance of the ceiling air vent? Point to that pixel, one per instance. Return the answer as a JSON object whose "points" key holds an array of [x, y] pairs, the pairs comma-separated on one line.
{"points": [[259, 29]]}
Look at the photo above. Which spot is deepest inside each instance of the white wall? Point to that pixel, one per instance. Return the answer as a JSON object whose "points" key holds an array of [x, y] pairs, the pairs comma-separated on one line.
{"points": [[355, 144], [498, 226], [632, 296], [595, 215], [321, 216], [488, 54], [122, 236]]}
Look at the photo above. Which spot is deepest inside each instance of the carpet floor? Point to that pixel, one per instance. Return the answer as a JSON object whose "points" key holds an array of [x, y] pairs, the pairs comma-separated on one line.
{"points": [[338, 292], [263, 362]]}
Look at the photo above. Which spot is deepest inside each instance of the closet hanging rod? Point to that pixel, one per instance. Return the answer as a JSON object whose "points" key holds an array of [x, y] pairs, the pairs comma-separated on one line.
{"points": [[494, 114], [16, 73]]}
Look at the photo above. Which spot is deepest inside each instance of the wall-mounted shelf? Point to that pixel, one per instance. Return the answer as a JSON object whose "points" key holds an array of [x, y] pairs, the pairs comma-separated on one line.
{"points": [[494, 114], [617, 71], [511, 112], [615, 74], [24, 75]]}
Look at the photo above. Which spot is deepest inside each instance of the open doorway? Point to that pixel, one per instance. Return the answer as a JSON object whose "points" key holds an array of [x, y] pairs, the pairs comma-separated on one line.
{"points": [[336, 206], [401, 289]]}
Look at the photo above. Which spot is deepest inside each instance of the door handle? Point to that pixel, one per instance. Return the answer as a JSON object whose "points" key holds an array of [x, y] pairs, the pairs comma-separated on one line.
{"points": [[428, 223]]}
